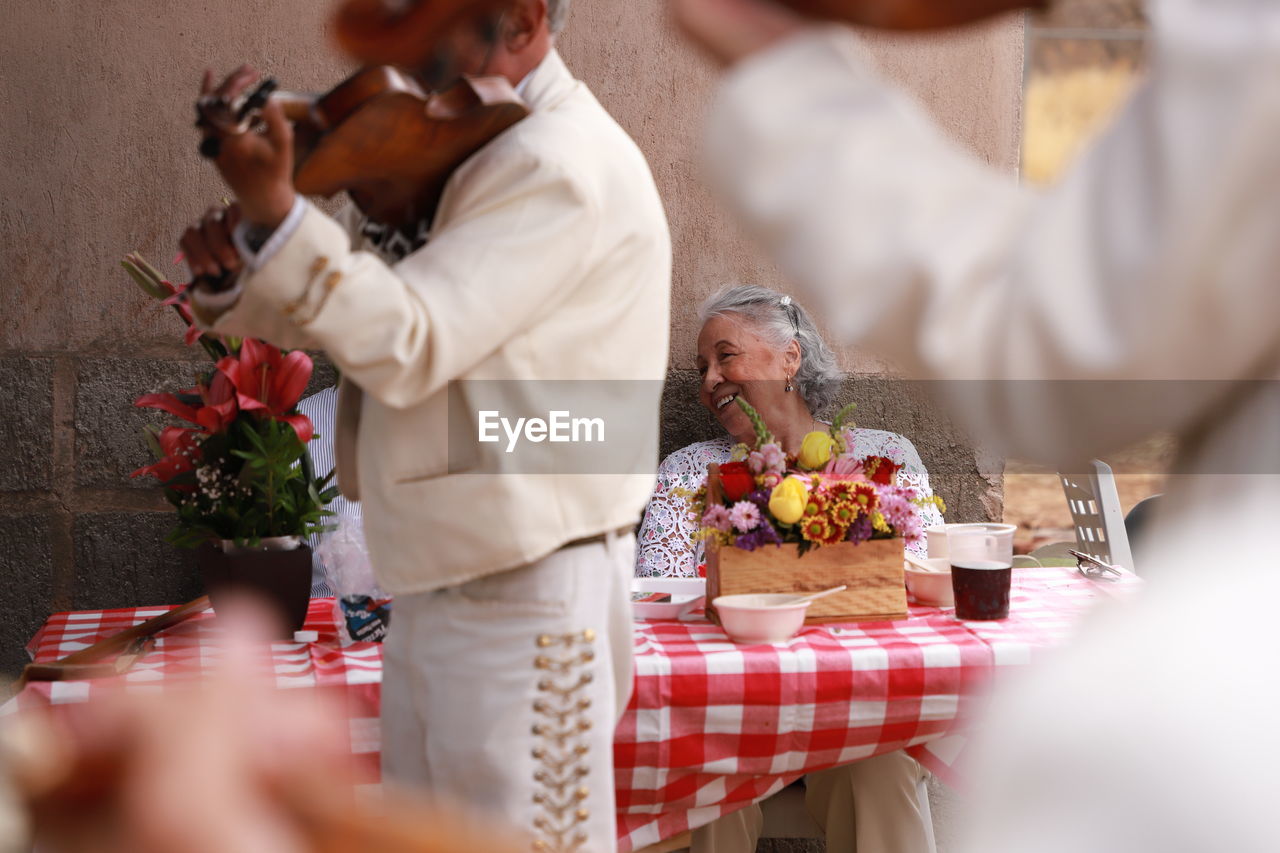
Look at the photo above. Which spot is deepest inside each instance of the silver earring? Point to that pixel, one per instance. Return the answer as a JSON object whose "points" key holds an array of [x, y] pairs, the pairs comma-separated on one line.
{"points": [[789, 388]]}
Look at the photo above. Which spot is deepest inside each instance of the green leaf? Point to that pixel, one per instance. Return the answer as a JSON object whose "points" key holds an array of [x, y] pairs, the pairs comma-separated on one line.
{"points": [[186, 478], [153, 441], [148, 270], [763, 436], [187, 537], [150, 286], [838, 425]]}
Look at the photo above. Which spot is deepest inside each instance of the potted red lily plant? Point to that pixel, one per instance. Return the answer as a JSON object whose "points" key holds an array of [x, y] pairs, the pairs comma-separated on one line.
{"points": [[239, 474]]}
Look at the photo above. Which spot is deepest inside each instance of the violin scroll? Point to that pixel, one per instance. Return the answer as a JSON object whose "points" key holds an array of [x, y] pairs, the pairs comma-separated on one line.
{"points": [[230, 118]]}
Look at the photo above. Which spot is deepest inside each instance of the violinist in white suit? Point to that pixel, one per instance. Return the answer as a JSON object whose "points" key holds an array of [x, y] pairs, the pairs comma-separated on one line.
{"points": [[548, 258]]}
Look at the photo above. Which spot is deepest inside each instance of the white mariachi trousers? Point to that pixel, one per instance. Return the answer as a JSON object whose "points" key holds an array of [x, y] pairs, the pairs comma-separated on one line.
{"points": [[503, 693]]}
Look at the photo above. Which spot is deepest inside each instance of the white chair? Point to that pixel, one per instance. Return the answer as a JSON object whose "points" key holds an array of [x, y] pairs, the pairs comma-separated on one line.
{"points": [[1096, 515]]}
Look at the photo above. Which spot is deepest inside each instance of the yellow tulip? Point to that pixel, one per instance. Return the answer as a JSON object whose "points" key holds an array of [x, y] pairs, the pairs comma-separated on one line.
{"points": [[815, 450], [788, 500]]}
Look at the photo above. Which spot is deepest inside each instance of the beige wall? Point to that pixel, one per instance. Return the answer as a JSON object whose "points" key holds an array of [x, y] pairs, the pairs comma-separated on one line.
{"points": [[656, 86], [99, 150], [99, 159]]}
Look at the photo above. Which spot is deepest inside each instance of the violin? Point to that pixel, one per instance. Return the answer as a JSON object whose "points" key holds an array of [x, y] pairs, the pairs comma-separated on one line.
{"points": [[379, 136], [910, 14]]}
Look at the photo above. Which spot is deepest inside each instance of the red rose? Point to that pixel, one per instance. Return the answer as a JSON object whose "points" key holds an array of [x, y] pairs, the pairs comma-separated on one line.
{"points": [[882, 471], [737, 480]]}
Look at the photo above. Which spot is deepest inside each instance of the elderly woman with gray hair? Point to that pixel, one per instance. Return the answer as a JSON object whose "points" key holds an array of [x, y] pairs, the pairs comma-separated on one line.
{"points": [[764, 347]]}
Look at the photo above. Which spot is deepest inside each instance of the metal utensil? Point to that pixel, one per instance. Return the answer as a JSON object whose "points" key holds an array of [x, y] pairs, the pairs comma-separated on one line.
{"points": [[1095, 569]]}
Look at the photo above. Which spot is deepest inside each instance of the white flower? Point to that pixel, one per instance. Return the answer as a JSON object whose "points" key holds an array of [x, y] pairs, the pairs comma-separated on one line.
{"points": [[745, 516]]}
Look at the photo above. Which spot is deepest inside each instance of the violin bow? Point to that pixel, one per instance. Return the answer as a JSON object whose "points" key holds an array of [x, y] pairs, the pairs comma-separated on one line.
{"points": [[910, 15], [129, 645]]}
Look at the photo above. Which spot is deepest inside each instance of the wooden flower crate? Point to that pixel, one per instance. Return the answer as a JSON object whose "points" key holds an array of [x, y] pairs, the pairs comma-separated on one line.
{"points": [[872, 571]]}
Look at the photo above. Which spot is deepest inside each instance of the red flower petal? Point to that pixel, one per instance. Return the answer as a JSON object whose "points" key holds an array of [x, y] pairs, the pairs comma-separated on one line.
{"points": [[220, 391], [252, 354], [291, 380], [301, 425], [251, 404], [211, 419], [236, 373], [160, 470], [173, 439], [167, 403], [181, 453], [229, 366]]}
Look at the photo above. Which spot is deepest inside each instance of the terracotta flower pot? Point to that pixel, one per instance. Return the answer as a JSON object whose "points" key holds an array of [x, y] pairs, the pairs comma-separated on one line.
{"points": [[279, 578]]}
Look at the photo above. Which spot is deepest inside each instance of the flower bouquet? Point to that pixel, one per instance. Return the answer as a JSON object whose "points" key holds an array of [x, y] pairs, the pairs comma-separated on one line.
{"points": [[239, 474], [764, 511]]}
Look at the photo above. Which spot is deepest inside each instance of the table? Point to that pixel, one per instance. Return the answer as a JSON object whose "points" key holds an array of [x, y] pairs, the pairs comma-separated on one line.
{"points": [[712, 725], [352, 673]]}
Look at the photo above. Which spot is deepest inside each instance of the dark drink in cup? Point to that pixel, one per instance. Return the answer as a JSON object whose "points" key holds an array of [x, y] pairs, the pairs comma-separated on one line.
{"points": [[981, 588]]}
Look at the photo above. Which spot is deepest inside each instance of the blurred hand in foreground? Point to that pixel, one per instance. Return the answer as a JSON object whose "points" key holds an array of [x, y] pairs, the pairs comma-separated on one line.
{"points": [[198, 768], [229, 764]]}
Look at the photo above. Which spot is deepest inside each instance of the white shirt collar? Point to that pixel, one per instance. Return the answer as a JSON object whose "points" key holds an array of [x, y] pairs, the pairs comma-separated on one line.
{"points": [[524, 81]]}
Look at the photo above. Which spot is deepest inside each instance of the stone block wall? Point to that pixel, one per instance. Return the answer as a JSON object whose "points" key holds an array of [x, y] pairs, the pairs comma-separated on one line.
{"points": [[76, 531]]}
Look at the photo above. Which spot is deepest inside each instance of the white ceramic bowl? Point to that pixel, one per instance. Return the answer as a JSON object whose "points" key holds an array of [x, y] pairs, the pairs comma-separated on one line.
{"points": [[760, 618], [931, 588]]}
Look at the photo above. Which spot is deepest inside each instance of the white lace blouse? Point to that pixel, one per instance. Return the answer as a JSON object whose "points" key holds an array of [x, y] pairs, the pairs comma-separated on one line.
{"points": [[666, 546]]}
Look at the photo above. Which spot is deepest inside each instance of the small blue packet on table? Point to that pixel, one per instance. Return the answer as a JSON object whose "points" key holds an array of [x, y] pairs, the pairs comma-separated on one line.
{"points": [[366, 617]]}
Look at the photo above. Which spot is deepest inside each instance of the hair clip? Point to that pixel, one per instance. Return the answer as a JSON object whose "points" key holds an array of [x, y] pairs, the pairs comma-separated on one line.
{"points": [[784, 301]]}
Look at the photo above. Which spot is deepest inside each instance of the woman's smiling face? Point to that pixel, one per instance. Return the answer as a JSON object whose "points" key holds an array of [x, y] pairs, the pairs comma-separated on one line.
{"points": [[735, 361]]}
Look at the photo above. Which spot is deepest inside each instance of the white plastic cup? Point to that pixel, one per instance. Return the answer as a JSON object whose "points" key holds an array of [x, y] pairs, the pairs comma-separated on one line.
{"points": [[936, 536]]}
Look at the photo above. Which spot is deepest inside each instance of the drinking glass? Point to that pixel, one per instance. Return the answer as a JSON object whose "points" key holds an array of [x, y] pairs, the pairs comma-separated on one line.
{"points": [[981, 571]]}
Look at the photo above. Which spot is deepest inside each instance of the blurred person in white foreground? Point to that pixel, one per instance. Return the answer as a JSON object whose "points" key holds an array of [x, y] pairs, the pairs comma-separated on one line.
{"points": [[1155, 259]]}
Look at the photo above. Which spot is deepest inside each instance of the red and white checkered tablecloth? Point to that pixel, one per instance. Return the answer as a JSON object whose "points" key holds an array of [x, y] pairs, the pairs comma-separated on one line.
{"points": [[712, 725], [352, 674]]}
